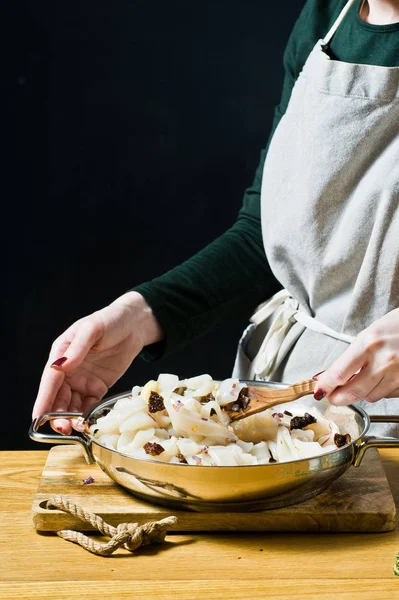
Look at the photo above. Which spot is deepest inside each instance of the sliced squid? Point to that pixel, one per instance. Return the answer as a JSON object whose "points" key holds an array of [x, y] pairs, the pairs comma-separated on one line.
{"points": [[190, 427]]}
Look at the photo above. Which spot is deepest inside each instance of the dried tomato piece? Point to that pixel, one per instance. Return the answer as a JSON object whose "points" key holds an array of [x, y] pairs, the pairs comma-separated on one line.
{"points": [[301, 422], [342, 439], [155, 403], [153, 448]]}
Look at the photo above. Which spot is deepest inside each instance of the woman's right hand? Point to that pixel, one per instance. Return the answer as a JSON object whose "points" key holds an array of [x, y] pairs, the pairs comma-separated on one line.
{"points": [[92, 355]]}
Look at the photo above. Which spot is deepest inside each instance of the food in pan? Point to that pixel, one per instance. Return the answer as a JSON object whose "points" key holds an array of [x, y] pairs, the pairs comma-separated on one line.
{"points": [[184, 421]]}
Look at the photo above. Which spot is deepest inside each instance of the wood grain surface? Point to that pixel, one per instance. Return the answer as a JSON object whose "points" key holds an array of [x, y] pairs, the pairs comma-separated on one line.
{"points": [[188, 567]]}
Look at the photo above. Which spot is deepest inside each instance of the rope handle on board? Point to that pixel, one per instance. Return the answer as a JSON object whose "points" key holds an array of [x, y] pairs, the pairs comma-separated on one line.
{"points": [[129, 535]]}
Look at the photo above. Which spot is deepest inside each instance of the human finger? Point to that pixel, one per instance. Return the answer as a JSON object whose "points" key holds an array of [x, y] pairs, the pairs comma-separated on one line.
{"points": [[341, 371], [86, 335], [89, 402], [359, 387], [76, 406], [49, 387], [61, 404], [51, 396], [387, 388], [51, 380], [65, 426]]}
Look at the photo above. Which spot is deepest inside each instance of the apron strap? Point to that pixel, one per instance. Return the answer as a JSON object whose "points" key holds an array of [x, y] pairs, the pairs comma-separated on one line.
{"points": [[285, 310], [319, 327], [338, 22]]}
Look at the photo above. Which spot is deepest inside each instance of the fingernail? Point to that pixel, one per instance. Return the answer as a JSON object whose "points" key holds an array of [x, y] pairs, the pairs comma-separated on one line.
{"points": [[59, 362], [316, 376], [319, 395]]}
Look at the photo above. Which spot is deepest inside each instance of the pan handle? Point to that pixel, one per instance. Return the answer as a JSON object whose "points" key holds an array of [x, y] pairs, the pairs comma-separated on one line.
{"points": [[54, 438], [375, 442]]}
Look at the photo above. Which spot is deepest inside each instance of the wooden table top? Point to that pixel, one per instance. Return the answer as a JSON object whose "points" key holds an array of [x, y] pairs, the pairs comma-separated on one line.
{"points": [[188, 567]]}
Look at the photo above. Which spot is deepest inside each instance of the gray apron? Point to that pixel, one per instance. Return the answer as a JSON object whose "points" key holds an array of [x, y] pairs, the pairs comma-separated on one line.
{"points": [[330, 221]]}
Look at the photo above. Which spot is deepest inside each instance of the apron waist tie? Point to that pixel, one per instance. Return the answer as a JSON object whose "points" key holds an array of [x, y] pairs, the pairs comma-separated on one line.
{"points": [[286, 311]]}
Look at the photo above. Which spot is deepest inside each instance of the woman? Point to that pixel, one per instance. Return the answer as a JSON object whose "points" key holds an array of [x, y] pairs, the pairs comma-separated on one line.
{"points": [[320, 224]]}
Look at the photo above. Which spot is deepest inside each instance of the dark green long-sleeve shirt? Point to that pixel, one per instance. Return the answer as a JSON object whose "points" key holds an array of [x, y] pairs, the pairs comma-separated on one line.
{"points": [[230, 276]]}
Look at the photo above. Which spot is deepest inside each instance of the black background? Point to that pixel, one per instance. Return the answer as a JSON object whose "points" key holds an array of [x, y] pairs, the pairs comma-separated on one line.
{"points": [[130, 120]]}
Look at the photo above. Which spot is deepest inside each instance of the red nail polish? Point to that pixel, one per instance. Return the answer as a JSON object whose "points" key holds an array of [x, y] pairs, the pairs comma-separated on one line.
{"points": [[319, 395], [59, 362], [316, 376]]}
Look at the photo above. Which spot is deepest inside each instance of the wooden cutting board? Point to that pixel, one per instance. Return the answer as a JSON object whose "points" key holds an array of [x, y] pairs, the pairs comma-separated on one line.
{"points": [[360, 500]]}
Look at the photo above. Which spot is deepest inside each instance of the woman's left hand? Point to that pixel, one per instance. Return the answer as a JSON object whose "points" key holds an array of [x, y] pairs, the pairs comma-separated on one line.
{"points": [[368, 369]]}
